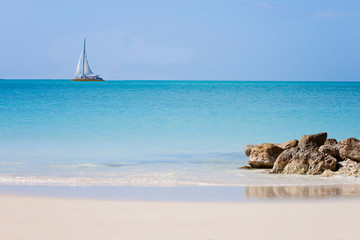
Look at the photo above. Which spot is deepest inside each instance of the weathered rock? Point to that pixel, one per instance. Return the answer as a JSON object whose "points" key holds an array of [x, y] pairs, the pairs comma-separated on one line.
{"points": [[317, 165], [264, 155], [247, 149], [312, 140], [330, 150], [330, 141], [299, 164], [350, 148], [288, 144], [312, 155], [245, 167], [311, 162], [349, 167], [328, 173], [283, 159]]}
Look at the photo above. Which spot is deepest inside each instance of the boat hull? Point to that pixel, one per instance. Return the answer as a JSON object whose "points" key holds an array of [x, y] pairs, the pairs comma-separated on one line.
{"points": [[87, 80]]}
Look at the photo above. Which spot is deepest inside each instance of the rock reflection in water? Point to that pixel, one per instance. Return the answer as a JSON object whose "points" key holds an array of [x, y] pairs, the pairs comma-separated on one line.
{"points": [[302, 192]]}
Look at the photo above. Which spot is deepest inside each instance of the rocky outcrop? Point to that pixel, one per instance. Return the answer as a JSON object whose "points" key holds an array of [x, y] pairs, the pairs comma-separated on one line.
{"points": [[311, 162], [313, 140], [350, 148], [283, 159], [330, 150], [330, 141], [288, 144], [328, 173], [245, 167], [247, 149], [264, 155], [312, 155], [349, 167]]}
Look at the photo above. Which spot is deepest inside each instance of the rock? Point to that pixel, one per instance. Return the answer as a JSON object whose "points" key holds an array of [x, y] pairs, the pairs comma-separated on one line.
{"points": [[320, 163], [247, 149], [350, 148], [264, 155], [330, 141], [283, 159], [245, 167], [327, 173], [299, 164], [349, 167], [311, 162], [330, 150], [288, 144], [312, 155], [314, 140]]}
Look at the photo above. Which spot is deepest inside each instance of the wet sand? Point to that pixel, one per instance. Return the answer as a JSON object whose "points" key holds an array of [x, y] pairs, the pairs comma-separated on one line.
{"points": [[189, 193]]}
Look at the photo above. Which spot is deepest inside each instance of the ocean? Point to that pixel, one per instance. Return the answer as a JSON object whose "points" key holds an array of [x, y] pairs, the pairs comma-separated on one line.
{"points": [[163, 133]]}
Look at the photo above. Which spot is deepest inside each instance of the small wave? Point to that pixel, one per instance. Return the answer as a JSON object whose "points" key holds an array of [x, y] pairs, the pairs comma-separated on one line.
{"points": [[84, 165], [113, 165], [169, 180], [74, 181], [13, 163]]}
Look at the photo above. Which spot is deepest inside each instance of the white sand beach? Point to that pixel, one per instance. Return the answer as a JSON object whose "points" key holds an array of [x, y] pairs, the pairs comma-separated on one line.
{"points": [[26, 217]]}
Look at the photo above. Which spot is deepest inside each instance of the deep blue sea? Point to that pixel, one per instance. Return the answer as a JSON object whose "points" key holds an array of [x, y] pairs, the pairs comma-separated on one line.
{"points": [[162, 132]]}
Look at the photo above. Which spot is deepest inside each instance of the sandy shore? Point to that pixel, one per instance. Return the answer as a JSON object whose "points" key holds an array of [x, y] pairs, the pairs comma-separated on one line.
{"points": [[65, 218]]}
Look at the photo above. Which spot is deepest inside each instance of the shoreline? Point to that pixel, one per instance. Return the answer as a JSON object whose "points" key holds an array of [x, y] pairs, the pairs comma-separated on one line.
{"points": [[61, 218], [231, 194]]}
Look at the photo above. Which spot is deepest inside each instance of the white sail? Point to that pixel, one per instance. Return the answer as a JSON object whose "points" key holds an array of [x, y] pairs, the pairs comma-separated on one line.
{"points": [[83, 69], [87, 70], [78, 70]]}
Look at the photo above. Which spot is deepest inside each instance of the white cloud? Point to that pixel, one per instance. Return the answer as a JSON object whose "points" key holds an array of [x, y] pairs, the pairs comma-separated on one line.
{"points": [[333, 14], [315, 14]]}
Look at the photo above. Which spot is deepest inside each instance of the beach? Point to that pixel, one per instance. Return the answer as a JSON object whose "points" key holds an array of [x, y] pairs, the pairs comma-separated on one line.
{"points": [[27, 217], [160, 160], [180, 120]]}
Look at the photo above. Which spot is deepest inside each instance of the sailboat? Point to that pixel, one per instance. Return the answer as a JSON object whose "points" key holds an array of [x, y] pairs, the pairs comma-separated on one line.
{"points": [[83, 71]]}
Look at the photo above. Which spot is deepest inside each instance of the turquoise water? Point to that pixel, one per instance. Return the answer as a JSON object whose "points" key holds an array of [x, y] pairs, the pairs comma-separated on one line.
{"points": [[160, 132]]}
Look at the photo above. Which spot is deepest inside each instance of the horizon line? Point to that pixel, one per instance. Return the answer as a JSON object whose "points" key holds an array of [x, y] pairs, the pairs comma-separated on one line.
{"points": [[215, 80]]}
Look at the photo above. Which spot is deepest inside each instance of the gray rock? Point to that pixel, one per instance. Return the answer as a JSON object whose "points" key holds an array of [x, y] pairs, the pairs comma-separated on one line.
{"points": [[330, 141], [283, 159], [350, 148], [314, 140], [264, 155], [288, 144], [247, 149]]}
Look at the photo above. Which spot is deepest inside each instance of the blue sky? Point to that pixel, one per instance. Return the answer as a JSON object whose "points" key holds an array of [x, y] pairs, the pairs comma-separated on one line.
{"points": [[183, 40]]}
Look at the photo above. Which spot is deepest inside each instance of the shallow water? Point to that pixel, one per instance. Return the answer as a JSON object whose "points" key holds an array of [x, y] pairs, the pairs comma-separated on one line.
{"points": [[165, 133]]}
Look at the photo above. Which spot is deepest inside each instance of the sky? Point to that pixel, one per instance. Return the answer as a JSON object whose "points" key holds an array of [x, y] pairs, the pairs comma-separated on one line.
{"points": [[307, 40]]}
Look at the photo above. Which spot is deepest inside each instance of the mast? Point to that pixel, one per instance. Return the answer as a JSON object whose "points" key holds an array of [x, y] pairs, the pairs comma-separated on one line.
{"points": [[84, 58]]}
